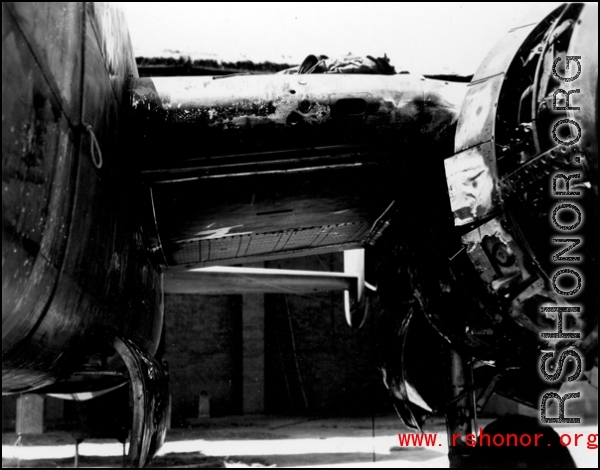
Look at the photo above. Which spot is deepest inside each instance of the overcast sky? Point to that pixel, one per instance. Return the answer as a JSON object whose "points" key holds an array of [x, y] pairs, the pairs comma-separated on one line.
{"points": [[421, 37]]}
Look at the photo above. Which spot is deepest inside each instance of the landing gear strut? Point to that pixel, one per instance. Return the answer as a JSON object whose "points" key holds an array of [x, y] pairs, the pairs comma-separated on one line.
{"points": [[149, 385]]}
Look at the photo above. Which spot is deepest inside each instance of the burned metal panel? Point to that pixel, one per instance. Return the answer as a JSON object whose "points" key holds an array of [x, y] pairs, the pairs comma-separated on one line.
{"points": [[241, 123], [58, 23], [74, 264], [252, 100], [472, 184], [38, 158], [37, 146]]}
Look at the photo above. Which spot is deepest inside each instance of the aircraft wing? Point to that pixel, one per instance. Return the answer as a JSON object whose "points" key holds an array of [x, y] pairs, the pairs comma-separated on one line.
{"points": [[248, 168]]}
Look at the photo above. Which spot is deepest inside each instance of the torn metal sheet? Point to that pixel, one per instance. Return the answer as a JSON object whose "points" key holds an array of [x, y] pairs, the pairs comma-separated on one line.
{"points": [[472, 184], [496, 256], [150, 389]]}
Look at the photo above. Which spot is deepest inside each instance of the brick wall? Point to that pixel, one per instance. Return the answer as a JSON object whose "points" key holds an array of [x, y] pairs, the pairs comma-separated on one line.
{"points": [[331, 371], [203, 351]]}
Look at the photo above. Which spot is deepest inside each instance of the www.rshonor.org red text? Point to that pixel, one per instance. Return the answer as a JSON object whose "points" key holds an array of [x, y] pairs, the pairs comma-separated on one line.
{"points": [[589, 440]]}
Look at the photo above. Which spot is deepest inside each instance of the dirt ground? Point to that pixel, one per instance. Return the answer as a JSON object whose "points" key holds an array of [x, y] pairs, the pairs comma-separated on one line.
{"points": [[261, 441]]}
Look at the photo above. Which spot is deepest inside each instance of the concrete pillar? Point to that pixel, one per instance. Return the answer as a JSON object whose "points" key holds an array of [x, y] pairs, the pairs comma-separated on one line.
{"points": [[253, 353], [30, 414]]}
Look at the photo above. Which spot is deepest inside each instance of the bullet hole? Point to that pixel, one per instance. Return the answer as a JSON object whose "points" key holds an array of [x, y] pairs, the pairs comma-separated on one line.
{"points": [[293, 119], [304, 106]]}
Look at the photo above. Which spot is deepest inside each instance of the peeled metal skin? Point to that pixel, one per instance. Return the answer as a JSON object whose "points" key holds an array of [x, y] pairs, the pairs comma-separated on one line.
{"points": [[494, 173], [482, 277]]}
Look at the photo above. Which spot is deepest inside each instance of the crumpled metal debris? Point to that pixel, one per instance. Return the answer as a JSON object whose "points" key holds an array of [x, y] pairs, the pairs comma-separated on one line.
{"points": [[347, 64]]}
